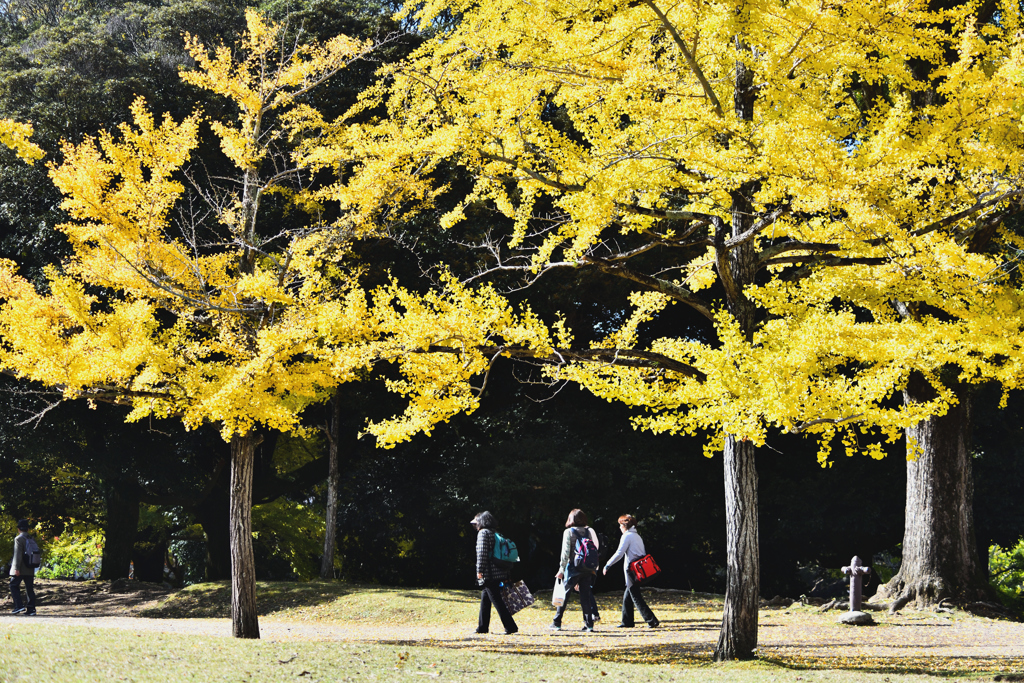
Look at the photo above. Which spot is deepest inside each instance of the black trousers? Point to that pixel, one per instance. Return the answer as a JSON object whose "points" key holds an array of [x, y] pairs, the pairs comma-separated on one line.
{"points": [[632, 597], [29, 591], [586, 598], [491, 595]]}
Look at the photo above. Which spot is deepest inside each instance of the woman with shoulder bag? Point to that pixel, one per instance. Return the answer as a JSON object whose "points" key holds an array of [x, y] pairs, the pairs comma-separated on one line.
{"points": [[631, 547], [490, 576], [576, 530]]}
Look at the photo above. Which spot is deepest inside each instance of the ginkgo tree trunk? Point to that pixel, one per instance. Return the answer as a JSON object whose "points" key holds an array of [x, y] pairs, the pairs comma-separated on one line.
{"points": [[726, 159]]}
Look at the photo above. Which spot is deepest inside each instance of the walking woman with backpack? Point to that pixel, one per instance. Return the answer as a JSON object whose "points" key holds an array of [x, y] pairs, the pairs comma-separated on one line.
{"points": [[490, 576], [577, 566], [631, 547]]}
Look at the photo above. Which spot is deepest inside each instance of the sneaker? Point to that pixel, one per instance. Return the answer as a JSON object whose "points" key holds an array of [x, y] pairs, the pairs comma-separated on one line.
{"points": [[587, 628], [20, 610], [30, 614], [479, 631], [597, 618], [555, 627], [624, 626], [654, 625], [511, 633]]}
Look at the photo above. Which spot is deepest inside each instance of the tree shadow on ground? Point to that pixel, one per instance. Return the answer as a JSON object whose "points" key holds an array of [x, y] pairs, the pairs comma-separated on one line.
{"points": [[213, 600]]}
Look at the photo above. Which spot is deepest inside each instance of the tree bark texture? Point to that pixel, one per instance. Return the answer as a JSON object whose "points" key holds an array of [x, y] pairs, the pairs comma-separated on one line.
{"points": [[940, 554], [738, 636], [331, 527], [119, 530], [244, 620]]}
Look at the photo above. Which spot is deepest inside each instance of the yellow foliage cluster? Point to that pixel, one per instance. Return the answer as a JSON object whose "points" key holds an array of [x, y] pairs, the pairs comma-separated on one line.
{"points": [[16, 136]]}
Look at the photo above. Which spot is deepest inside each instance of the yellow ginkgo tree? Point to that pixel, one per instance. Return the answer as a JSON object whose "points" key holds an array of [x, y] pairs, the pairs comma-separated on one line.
{"points": [[814, 194], [182, 299]]}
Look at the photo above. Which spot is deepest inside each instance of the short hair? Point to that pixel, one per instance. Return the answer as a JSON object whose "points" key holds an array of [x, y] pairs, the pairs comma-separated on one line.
{"points": [[24, 525], [628, 520], [576, 518], [485, 520]]}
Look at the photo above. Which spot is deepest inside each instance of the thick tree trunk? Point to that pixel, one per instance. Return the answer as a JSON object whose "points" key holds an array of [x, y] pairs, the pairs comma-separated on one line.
{"points": [[940, 554], [738, 637], [119, 530], [331, 527], [244, 620]]}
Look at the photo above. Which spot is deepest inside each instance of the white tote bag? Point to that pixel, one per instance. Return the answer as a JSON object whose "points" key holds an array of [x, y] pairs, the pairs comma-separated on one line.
{"points": [[558, 594]]}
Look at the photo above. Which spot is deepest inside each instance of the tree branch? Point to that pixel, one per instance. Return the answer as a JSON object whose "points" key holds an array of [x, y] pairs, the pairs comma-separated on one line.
{"points": [[664, 286], [690, 61], [825, 260], [781, 248], [629, 358], [757, 227], [561, 187]]}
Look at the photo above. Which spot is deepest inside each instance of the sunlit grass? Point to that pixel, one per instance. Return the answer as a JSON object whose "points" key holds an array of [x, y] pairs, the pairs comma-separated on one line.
{"points": [[69, 654]]}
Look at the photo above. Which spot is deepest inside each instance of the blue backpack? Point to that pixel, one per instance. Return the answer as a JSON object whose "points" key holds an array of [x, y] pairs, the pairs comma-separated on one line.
{"points": [[585, 558], [505, 552]]}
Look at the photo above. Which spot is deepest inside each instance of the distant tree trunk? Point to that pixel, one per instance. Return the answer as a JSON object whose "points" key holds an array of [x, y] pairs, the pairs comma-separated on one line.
{"points": [[150, 554], [738, 636], [212, 513], [244, 619], [331, 530], [940, 554], [119, 529]]}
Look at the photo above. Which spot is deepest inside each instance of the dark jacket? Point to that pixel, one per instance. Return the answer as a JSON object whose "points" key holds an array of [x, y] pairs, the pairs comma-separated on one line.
{"points": [[18, 561], [484, 564]]}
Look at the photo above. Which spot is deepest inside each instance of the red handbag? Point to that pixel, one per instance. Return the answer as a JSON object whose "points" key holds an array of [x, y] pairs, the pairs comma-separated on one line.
{"points": [[645, 568]]}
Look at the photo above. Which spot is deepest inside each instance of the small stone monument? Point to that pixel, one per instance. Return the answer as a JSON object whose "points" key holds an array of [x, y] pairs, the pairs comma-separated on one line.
{"points": [[856, 571]]}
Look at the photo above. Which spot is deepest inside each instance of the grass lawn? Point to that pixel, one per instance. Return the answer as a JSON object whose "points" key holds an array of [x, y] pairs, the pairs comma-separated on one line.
{"points": [[71, 654], [321, 631]]}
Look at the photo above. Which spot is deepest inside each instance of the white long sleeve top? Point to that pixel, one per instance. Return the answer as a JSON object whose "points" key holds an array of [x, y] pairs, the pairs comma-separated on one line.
{"points": [[631, 546]]}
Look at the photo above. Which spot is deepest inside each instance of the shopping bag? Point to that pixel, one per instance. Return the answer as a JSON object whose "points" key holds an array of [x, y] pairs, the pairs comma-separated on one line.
{"points": [[644, 569], [517, 597], [558, 594]]}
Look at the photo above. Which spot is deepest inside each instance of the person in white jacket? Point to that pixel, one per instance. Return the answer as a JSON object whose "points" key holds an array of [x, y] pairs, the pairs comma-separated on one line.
{"points": [[631, 547]]}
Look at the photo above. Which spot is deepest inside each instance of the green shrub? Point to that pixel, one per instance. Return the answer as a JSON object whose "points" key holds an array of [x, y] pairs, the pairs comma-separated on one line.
{"points": [[291, 534], [71, 555], [1006, 573]]}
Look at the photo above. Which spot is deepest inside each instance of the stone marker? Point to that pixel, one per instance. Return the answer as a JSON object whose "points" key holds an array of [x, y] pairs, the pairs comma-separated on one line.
{"points": [[856, 571]]}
